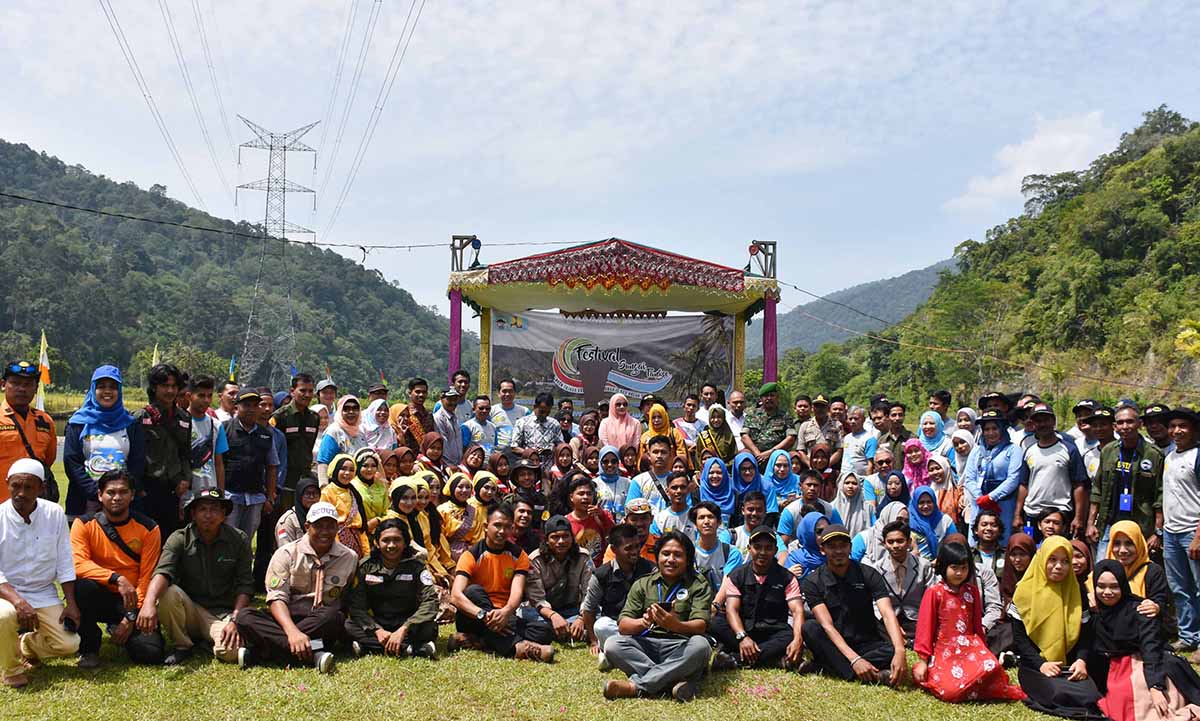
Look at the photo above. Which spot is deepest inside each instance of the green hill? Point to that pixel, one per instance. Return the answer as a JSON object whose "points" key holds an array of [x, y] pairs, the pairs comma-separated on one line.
{"points": [[106, 290], [798, 330], [1093, 290]]}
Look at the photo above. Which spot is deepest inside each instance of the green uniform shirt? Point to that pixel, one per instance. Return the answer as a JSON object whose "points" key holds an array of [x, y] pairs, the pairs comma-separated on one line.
{"points": [[1145, 468], [300, 429], [213, 574], [391, 598], [767, 430], [168, 448], [690, 601]]}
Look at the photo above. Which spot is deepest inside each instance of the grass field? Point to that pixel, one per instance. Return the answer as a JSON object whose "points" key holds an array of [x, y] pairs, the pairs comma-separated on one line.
{"points": [[468, 685]]}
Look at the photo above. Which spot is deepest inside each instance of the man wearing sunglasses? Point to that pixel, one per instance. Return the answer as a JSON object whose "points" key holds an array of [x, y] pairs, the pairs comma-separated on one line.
{"points": [[18, 417]]}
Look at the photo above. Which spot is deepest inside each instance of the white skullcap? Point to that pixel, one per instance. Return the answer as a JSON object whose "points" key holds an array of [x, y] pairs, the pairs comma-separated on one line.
{"points": [[27, 465]]}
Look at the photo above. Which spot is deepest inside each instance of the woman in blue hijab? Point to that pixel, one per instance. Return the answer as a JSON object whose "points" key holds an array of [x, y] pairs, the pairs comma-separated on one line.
{"points": [[807, 556], [783, 482], [101, 436], [929, 525], [931, 431], [717, 486]]}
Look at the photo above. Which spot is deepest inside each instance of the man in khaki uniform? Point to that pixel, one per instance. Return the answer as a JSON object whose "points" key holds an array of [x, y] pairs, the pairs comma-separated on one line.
{"points": [[202, 583], [305, 584]]}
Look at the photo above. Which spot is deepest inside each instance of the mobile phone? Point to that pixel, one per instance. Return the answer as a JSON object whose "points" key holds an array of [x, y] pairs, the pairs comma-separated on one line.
{"points": [[70, 626]]}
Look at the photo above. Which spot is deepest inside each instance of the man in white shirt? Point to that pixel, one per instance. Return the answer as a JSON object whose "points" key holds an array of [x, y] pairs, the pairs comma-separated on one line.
{"points": [[708, 396], [35, 551], [1057, 477], [506, 415], [858, 446], [690, 424], [736, 417], [479, 429], [1181, 519], [227, 401]]}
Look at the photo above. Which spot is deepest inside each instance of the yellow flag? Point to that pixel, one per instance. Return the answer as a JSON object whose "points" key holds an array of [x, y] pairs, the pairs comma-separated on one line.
{"points": [[44, 370], [154, 359]]}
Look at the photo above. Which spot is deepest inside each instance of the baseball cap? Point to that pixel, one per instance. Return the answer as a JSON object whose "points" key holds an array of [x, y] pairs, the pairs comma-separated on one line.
{"points": [[21, 368], [992, 415], [762, 531], [638, 505], [451, 393], [325, 383], [209, 494], [995, 396], [835, 530], [1155, 410], [376, 387], [1086, 404], [319, 510], [249, 395], [555, 524], [27, 465], [1100, 413], [1041, 409]]}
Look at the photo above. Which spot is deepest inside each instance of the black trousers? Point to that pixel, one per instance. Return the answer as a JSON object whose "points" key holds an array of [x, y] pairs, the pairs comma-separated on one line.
{"points": [[526, 625], [98, 604], [260, 632], [772, 644], [829, 658], [418, 634], [264, 540], [162, 505]]}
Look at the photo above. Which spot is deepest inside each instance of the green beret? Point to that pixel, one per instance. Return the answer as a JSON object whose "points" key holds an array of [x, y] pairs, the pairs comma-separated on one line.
{"points": [[771, 387]]}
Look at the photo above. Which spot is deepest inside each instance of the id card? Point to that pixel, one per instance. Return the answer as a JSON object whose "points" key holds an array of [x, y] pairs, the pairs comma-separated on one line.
{"points": [[1028, 530], [316, 644], [1126, 503]]}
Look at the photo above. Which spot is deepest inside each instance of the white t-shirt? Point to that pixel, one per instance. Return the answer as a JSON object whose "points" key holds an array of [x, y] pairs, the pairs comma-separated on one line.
{"points": [[668, 520], [1049, 478], [611, 496], [857, 448], [105, 452], [1181, 492], [735, 425], [203, 430]]}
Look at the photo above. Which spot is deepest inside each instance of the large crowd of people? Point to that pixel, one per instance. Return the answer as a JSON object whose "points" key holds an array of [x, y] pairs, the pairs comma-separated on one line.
{"points": [[828, 538]]}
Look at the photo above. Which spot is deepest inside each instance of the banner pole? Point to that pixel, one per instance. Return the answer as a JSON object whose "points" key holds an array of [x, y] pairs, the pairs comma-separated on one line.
{"points": [[485, 351], [739, 350]]}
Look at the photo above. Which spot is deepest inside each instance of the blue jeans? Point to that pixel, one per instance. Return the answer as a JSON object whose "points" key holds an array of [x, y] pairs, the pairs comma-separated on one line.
{"points": [[1102, 546], [1183, 575]]}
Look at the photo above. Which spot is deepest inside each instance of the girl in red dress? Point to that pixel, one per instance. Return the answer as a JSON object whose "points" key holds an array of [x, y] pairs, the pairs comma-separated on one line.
{"points": [[956, 664]]}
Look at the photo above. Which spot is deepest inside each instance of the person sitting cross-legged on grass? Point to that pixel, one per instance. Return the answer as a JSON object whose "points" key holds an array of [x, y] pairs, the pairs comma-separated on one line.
{"points": [[559, 573], [393, 603], [202, 582], [305, 584], [661, 645], [609, 587], [489, 585]]}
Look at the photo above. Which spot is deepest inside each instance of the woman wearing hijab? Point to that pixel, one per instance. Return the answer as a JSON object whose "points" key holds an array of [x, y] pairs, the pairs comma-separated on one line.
{"points": [[564, 463], [965, 420], [620, 429], [993, 473], [101, 436], [962, 442], [718, 436], [947, 491], [322, 412], [474, 460], [1081, 564], [376, 430], [851, 505], [371, 487], [588, 435], [352, 514], [342, 437], [1052, 636], [916, 464], [782, 483], [611, 486], [431, 458], [820, 459], [929, 525], [500, 464], [1127, 545], [931, 431], [806, 557], [459, 515], [658, 421], [290, 526], [895, 490], [1141, 680], [429, 521], [1017, 557], [868, 546], [716, 486]]}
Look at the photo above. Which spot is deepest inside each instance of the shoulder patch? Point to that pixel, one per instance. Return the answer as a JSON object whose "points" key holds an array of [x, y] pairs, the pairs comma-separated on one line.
{"points": [[426, 577]]}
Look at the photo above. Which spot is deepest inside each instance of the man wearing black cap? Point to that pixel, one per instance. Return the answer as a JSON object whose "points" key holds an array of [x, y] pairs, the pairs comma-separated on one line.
{"points": [[1128, 486], [376, 391], [1098, 426], [202, 582], [1057, 478], [1181, 523], [844, 636], [24, 428], [1154, 418], [760, 597], [1081, 411], [821, 427], [250, 465]]}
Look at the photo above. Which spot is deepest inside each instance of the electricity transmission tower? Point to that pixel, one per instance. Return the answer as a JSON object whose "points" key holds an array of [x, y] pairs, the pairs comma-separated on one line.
{"points": [[269, 348]]}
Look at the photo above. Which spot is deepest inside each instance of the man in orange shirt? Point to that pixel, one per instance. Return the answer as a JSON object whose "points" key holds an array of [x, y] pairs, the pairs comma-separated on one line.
{"points": [[116, 552], [18, 417]]}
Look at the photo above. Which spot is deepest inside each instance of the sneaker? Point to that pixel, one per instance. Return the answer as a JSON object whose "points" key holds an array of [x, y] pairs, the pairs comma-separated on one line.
{"points": [[619, 688], [459, 641], [17, 680], [602, 662], [683, 691], [528, 650], [1008, 659], [178, 656], [722, 661], [245, 657], [357, 648], [89, 660], [885, 676], [426, 650], [806, 666], [323, 660]]}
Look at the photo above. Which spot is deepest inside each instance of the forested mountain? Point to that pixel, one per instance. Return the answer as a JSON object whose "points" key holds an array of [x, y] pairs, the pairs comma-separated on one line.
{"points": [[890, 299], [107, 290], [1094, 286]]}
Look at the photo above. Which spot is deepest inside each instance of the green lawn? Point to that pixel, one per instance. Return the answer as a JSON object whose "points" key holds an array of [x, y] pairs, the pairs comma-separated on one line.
{"points": [[468, 685]]}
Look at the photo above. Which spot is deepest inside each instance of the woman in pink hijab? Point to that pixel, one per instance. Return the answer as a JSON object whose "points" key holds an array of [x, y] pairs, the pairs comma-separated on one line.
{"points": [[620, 429], [916, 464]]}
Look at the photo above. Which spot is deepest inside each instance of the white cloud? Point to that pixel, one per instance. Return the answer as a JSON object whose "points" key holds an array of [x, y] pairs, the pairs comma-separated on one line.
{"points": [[1068, 143]]}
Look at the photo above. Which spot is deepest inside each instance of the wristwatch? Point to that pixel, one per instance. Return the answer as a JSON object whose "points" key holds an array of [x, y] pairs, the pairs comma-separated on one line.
{"points": [[739, 635], [131, 616], [480, 614]]}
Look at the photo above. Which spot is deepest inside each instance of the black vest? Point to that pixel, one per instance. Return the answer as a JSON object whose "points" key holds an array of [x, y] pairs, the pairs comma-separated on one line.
{"points": [[246, 461], [615, 589], [764, 606]]}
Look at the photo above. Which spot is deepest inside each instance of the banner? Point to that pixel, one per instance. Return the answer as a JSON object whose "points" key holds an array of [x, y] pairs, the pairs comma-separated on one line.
{"points": [[596, 357]]}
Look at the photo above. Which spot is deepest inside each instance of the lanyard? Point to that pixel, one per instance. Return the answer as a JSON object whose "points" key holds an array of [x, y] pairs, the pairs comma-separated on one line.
{"points": [[1125, 468], [670, 594]]}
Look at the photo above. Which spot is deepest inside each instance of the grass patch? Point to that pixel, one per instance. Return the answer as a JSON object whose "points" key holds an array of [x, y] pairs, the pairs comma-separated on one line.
{"points": [[468, 685]]}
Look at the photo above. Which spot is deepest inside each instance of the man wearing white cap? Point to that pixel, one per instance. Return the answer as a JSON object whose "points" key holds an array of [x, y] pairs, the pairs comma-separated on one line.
{"points": [[305, 584], [35, 551]]}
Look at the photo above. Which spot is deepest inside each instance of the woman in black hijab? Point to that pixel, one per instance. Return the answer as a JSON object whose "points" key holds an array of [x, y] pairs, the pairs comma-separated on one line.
{"points": [[1139, 677]]}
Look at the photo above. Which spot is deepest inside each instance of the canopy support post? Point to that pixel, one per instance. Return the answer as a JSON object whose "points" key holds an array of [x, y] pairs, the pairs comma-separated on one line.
{"points": [[770, 339]]}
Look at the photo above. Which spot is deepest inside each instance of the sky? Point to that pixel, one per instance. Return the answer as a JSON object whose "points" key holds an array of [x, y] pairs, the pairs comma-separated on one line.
{"points": [[866, 138]]}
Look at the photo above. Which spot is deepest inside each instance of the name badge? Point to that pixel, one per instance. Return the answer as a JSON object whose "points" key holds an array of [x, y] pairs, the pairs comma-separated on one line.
{"points": [[372, 579], [310, 429], [292, 429], [1028, 530], [316, 644], [184, 424], [406, 577], [1126, 502]]}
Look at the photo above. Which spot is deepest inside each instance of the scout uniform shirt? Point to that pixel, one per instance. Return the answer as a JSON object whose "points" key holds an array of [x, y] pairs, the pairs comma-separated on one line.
{"points": [[688, 601], [296, 573], [299, 427]]}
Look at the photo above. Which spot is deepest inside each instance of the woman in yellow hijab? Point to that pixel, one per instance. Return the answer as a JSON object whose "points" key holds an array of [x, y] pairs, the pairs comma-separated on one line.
{"points": [[1127, 544], [462, 521], [352, 513], [1047, 616], [659, 423]]}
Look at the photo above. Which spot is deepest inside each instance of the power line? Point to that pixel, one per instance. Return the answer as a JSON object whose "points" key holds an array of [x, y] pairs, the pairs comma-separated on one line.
{"points": [[260, 236], [352, 11], [212, 71], [355, 79], [385, 91], [181, 61], [144, 88], [827, 299]]}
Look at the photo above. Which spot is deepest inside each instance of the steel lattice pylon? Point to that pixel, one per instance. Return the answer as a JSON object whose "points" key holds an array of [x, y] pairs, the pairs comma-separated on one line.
{"points": [[269, 348]]}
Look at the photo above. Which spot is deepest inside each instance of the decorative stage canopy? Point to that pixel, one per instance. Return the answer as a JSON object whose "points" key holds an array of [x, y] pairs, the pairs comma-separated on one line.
{"points": [[610, 276]]}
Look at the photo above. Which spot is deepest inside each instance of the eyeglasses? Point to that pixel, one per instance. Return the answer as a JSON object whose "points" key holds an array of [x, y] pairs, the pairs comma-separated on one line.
{"points": [[622, 405], [21, 368]]}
